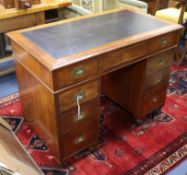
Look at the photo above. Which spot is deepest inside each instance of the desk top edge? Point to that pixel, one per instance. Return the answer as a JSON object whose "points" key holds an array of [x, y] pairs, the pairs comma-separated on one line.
{"points": [[90, 16]]}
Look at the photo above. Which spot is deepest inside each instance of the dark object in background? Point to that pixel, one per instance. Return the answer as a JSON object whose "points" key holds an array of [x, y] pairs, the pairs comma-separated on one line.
{"points": [[163, 4], [7, 4], [23, 4], [14, 160]]}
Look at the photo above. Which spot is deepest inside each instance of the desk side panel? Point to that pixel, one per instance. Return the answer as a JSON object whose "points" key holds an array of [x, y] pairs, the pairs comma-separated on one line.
{"points": [[38, 107], [32, 65]]}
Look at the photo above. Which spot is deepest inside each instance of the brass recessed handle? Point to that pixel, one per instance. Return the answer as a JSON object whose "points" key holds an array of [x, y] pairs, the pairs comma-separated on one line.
{"points": [[79, 71], [164, 42], [154, 99], [79, 117], [79, 139]]}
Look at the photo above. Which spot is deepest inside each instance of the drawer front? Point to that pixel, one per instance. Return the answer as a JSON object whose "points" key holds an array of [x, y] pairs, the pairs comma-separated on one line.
{"points": [[123, 55], [158, 79], [18, 22], [7, 3], [159, 62], [79, 138], [75, 73], [10, 3], [86, 92], [153, 100], [70, 119], [163, 42]]}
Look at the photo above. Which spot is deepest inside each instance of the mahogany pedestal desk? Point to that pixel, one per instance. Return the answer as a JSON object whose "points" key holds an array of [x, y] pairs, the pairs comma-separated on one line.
{"points": [[125, 54]]}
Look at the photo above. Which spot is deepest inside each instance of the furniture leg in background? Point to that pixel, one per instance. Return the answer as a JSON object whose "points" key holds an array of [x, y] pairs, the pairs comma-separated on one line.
{"points": [[2, 45], [14, 159], [177, 14]]}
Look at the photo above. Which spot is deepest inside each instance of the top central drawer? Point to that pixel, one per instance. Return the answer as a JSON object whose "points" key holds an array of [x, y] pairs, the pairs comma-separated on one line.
{"points": [[122, 56]]}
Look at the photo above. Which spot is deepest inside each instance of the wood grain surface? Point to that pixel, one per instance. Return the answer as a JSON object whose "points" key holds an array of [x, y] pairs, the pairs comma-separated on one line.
{"points": [[63, 67], [44, 5], [77, 36]]}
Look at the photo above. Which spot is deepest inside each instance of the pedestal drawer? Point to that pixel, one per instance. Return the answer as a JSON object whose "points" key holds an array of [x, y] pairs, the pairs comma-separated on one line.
{"points": [[157, 80], [159, 62], [86, 92], [88, 111], [153, 100], [79, 138], [75, 73], [162, 42]]}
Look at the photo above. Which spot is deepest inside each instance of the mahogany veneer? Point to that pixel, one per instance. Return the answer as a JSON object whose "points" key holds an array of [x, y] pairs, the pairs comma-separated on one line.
{"points": [[66, 64]]}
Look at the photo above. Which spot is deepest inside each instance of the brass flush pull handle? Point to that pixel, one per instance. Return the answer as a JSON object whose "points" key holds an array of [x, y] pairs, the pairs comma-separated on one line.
{"points": [[161, 62], [154, 99], [78, 71], [164, 42], [158, 79], [79, 117], [79, 139]]}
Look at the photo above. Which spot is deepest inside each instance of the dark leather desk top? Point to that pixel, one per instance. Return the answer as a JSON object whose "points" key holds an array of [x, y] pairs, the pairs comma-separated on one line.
{"points": [[77, 36]]}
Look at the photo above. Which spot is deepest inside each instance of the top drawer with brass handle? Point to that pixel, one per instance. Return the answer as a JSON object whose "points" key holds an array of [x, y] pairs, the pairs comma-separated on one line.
{"points": [[84, 93], [162, 42], [75, 73], [158, 62]]}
